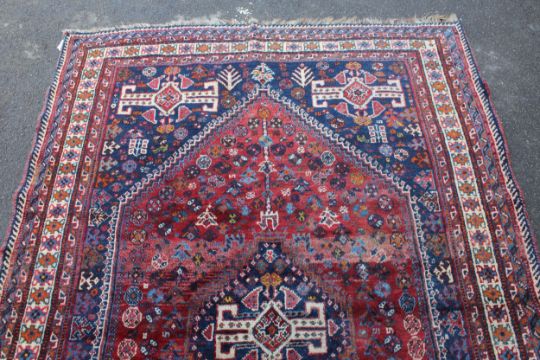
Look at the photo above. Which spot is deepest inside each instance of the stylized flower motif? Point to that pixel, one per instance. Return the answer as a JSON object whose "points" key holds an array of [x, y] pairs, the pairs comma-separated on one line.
{"points": [[262, 73], [127, 349], [492, 294], [53, 226], [487, 273], [417, 348], [479, 237], [181, 133], [362, 271], [39, 295], [502, 334], [475, 220], [46, 260], [149, 71], [466, 188], [131, 317], [285, 84], [138, 236], [386, 308], [460, 159], [271, 279], [138, 217], [30, 333], [298, 93], [397, 240], [129, 166], [228, 101], [171, 70], [44, 277]]}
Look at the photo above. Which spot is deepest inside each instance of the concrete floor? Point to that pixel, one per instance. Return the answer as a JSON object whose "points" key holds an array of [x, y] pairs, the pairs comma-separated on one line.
{"points": [[501, 33]]}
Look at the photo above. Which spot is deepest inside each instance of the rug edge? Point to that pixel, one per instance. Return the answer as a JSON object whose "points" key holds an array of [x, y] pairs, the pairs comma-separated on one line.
{"points": [[434, 19], [503, 155], [19, 198]]}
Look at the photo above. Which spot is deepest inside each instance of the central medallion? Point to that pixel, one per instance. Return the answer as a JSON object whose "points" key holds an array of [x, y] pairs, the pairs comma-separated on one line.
{"points": [[265, 177], [357, 93], [271, 311], [168, 98]]}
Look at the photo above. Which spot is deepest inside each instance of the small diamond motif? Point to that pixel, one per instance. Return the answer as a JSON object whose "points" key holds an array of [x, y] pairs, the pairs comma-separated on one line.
{"points": [[357, 93], [168, 98], [272, 330]]}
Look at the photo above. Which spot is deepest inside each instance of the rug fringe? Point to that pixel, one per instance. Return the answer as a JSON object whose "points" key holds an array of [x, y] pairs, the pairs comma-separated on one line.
{"points": [[215, 20]]}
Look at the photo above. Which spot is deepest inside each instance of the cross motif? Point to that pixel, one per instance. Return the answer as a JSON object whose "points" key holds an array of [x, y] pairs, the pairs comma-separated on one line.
{"points": [[169, 97], [356, 89], [271, 336], [88, 281]]}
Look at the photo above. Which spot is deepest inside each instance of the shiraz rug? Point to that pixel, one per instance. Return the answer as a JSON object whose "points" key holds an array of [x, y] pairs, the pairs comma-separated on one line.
{"points": [[269, 192]]}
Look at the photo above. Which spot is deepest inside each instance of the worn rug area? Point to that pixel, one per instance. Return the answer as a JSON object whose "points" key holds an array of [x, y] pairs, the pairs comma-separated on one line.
{"points": [[269, 192]]}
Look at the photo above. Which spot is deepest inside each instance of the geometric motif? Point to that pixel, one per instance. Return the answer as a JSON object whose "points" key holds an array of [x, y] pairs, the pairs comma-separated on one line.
{"points": [[168, 97], [356, 87], [275, 320], [220, 198]]}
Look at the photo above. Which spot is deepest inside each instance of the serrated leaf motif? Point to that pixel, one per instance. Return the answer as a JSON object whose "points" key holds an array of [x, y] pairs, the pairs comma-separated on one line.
{"points": [[302, 75], [229, 77]]}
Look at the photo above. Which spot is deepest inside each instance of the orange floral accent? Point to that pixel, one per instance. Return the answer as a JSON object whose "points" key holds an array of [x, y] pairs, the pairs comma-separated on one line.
{"points": [[131, 50], [275, 46], [85, 95], [31, 333], [453, 134], [78, 117], [418, 44], [47, 259], [492, 294], [483, 255], [165, 128], [203, 48], [475, 221], [382, 44], [357, 178], [362, 120], [167, 49], [502, 333], [66, 168], [347, 45], [240, 47], [90, 73], [272, 279], [95, 53], [466, 188], [439, 86], [74, 141], [353, 65], [172, 70], [53, 226], [39, 295], [60, 195], [460, 159], [445, 109]]}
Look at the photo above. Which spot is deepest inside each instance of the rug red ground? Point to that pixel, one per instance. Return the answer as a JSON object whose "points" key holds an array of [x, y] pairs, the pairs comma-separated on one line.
{"points": [[269, 192]]}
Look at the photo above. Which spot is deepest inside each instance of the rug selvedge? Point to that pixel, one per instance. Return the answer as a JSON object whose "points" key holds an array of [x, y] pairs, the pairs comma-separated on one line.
{"points": [[364, 106]]}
